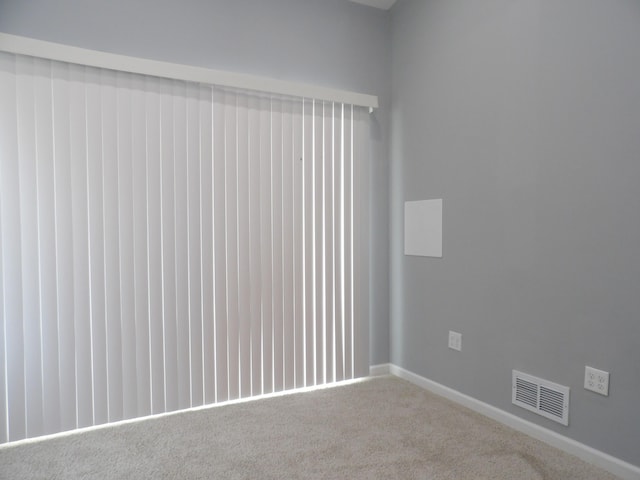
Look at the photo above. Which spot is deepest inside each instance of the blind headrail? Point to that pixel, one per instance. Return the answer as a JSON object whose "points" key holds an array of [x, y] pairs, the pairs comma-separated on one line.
{"points": [[94, 58]]}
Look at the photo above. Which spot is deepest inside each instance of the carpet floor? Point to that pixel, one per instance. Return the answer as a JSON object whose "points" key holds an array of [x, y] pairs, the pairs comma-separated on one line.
{"points": [[380, 428]]}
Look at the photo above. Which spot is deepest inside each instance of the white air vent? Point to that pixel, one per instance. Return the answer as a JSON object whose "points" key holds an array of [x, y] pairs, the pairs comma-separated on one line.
{"points": [[541, 396]]}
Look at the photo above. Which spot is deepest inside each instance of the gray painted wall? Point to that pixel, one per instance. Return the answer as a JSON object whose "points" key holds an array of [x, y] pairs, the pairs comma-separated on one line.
{"points": [[330, 42], [524, 116]]}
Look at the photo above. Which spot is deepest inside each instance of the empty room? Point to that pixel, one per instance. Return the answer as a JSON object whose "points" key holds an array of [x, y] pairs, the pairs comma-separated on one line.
{"points": [[320, 239]]}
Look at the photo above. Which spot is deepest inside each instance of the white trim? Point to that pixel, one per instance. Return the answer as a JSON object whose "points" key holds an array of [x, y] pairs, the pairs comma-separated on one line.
{"points": [[66, 53], [600, 459], [377, 370], [381, 4]]}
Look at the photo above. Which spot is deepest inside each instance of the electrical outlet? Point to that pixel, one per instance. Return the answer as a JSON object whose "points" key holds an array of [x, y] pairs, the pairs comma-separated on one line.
{"points": [[596, 380], [455, 340]]}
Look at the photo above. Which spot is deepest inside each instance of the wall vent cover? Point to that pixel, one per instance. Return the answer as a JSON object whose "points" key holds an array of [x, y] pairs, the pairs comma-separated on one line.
{"points": [[541, 396]]}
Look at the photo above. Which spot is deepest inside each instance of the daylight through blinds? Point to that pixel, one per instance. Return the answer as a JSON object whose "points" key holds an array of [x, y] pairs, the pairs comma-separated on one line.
{"points": [[166, 245]]}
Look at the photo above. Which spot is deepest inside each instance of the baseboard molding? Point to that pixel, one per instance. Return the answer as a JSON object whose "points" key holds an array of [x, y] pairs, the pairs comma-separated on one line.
{"points": [[603, 460], [382, 369]]}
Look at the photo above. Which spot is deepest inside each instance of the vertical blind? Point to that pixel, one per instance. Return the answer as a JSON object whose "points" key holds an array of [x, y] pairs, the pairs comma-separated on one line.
{"points": [[167, 244]]}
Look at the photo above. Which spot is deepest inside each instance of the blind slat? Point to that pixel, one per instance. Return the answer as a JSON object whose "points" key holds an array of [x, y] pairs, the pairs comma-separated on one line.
{"points": [[167, 197], [47, 245], [298, 228], [348, 243], [277, 238], [308, 244], [318, 245], [4, 426], [139, 169], [195, 318], [360, 246], [12, 426], [180, 178], [155, 244], [111, 233], [255, 260], [81, 274], [95, 187], [266, 252], [125, 179], [29, 247], [231, 228], [244, 280], [329, 213], [206, 245], [288, 300], [220, 245], [338, 218]]}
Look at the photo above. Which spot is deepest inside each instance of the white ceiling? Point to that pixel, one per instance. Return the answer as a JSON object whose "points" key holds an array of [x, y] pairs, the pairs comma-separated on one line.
{"points": [[383, 4]]}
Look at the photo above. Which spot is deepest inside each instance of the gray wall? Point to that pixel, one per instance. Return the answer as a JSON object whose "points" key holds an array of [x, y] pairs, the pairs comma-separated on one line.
{"points": [[524, 116], [324, 42]]}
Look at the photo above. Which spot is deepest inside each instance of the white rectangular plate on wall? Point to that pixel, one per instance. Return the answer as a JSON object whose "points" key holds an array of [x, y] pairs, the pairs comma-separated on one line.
{"points": [[423, 228]]}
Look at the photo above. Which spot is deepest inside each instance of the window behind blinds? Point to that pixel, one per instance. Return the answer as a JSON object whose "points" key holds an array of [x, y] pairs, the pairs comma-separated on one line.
{"points": [[166, 245]]}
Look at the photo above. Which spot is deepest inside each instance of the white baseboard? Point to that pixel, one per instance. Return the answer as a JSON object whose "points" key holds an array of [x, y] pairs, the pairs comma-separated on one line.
{"points": [[603, 460], [382, 369]]}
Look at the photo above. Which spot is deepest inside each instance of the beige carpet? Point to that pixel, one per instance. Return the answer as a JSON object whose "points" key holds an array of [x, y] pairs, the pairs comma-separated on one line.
{"points": [[379, 428]]}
